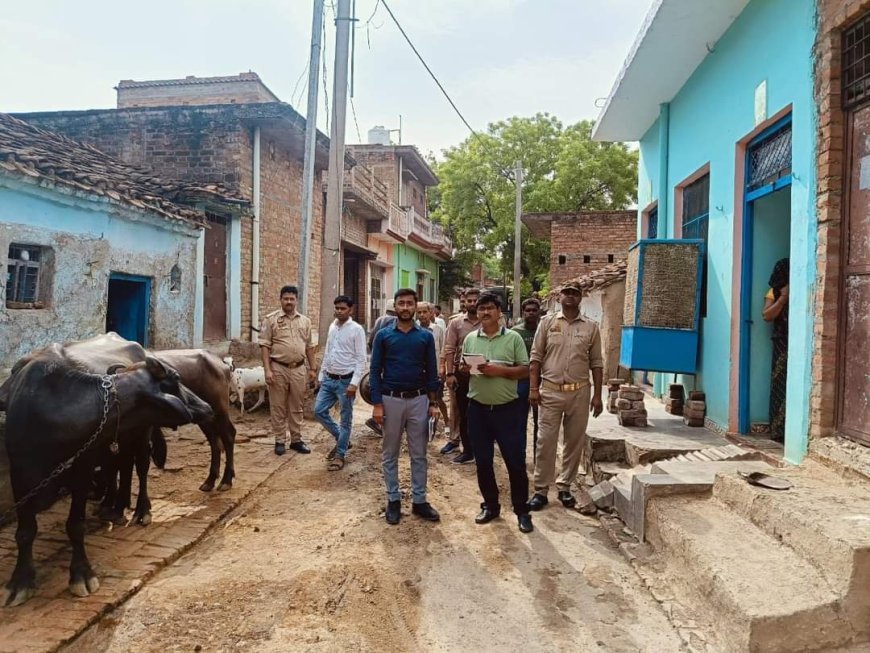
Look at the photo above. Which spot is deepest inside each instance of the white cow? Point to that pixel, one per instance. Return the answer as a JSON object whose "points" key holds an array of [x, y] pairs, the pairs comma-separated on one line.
{"points": [[243, 379]]}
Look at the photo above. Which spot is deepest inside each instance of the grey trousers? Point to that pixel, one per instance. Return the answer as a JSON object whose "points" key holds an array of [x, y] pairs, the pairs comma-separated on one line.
{"points": [[400, 415]]}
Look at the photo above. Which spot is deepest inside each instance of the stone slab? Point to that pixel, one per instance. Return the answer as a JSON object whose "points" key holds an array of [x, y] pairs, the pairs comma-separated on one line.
{"points": [[705, 471]]}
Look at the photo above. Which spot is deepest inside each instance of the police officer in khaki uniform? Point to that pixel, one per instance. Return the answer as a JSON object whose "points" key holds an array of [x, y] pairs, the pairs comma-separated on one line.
{"points": [[566, 348], [286, 342]]}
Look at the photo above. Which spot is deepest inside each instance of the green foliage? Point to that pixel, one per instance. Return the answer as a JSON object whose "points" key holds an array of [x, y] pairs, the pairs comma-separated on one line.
{"points": [[563, 171], [453, 275]]}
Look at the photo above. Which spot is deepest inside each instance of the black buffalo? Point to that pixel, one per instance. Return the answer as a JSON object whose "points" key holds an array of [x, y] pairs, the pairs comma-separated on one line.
{"points": [[53, 407]]}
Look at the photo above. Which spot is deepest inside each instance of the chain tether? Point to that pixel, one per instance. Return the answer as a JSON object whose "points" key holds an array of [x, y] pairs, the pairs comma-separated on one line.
{"points": [[107, 384]]}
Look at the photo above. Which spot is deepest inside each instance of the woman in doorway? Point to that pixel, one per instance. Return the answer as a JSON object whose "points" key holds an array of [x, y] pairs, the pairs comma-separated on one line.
{"points": [[776, 311]]}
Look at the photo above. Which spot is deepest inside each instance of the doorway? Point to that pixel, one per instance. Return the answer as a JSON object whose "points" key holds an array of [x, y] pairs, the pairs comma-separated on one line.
{"points": [[215, 281], [766, 234], [128, 308], [350, 287], [854, 381]]}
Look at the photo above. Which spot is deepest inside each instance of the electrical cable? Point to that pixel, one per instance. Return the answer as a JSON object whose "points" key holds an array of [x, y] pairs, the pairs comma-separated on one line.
{"points": [[355, 121]]}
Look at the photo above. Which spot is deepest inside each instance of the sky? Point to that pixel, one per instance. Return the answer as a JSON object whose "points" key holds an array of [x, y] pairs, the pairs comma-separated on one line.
{"points": [[496, 58]]}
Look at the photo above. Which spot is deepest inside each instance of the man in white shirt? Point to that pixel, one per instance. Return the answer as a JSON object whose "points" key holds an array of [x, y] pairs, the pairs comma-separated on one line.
{"points": [[438, 319], [425, 315], [343, 366]]}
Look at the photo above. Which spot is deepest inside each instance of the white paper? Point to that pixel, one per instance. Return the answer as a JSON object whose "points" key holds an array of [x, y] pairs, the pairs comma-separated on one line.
{"points": [[474, 361], [433, 422]]}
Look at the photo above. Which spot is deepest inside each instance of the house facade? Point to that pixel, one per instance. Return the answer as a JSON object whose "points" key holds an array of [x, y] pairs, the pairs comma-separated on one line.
{"points": [[230, 130], [584, 242], [726, 122], [409, 245], [94, 245]]}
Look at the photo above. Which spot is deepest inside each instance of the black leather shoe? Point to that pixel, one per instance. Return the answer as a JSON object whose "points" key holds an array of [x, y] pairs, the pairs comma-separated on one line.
{"points": [[374, 426], [300, 447], [525, 523], [464, 458], [393, 513], [280, 449], [486, 514], [567, 499], [425, 511], [538, 502]]}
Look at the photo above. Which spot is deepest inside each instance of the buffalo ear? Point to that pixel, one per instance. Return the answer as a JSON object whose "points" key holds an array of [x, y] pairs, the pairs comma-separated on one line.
{"points": [[115, 368], [156, 368]]}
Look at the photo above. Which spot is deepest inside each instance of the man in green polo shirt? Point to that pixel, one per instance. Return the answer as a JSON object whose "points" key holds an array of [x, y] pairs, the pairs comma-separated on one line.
{"points": [[494, 408]]}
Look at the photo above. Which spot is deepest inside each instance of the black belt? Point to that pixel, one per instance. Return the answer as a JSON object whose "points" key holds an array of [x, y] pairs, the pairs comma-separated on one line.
{"points": [[292, 366], [339, 377], [493, 407], [404, 394]]}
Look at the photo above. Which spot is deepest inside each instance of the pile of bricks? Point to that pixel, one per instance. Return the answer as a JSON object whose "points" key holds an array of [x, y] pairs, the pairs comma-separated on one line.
{"points": [[695, 409], [675, 402], [613, 386], [630, 407]]}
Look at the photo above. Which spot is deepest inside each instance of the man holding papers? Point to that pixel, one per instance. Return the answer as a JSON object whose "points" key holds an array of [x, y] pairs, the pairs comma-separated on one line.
{"points": [[495, 359]]}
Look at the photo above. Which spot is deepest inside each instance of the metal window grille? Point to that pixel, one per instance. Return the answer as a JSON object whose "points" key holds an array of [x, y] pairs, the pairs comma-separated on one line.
{"points": [[652, 224], [856, 63], [696, 208], [22, 274], [770, 159]]}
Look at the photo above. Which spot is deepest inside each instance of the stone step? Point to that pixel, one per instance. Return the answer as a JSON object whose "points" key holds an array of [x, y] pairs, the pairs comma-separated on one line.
{"points": [[825, 518], [705, 471], [758, 593]]}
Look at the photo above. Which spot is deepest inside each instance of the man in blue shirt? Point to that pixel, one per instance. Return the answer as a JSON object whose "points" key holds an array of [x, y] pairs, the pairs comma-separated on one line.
{"points": [[404, 389]]}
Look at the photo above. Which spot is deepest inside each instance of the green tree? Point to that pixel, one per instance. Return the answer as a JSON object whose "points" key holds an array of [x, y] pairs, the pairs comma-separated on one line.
{"points": [[563, 170]]}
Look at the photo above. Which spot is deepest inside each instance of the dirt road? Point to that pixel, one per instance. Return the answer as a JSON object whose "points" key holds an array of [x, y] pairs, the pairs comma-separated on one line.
{"points": [[308, 564]]}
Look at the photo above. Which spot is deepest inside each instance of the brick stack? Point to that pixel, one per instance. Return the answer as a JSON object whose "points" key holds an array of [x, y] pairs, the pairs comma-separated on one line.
{"points": [[630, 407], [675, 402], [695, 409], [613, 395]]}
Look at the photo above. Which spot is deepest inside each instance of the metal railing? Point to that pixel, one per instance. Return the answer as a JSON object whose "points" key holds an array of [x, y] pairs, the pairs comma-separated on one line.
{"points": [[429, 231]]}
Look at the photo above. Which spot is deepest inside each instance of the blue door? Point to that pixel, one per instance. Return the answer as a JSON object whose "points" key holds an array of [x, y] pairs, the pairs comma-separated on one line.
{"points": [[129, 306]]}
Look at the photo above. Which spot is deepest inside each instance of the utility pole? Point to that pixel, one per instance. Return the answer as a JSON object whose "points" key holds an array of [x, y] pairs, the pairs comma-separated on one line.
{"points": [[310, 154], [518, 230], [331, 259]]}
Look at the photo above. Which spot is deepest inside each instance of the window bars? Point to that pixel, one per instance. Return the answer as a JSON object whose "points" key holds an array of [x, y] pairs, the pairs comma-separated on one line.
{"points": [[770, 159], [22, 274], [696, 208], [652, 223], [856, 63]]}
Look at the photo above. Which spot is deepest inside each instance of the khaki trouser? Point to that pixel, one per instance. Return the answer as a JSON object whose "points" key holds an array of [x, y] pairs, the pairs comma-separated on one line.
{"points": [[453, 413], [286, 396], [571, 411]]}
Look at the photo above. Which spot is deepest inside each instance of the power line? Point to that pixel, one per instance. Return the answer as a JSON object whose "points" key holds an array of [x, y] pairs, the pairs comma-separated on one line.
{"points": [[355, 122], [428, 69], [299, 81], [325, 90]]}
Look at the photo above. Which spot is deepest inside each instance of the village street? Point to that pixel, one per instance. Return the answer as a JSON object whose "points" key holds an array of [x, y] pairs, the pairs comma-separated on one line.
{"points": [[307, 563]]}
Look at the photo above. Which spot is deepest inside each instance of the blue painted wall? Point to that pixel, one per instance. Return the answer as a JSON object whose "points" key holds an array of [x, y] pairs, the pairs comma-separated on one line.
{"points": [[771, 40], [89, 239]]}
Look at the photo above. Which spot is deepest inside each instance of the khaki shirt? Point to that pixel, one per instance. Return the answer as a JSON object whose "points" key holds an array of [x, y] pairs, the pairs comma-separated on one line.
{"points": [[456, 332], [287, 338], [567, 350]]}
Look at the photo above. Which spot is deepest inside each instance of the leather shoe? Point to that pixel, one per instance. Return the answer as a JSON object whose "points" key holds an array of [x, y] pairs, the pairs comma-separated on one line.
{"points": [[538, 502], [374, 426], [464, 458], [525, 523], [280, 449], [567, 499], [300, 447], [425, 511], [486, 514], [393, 513]]}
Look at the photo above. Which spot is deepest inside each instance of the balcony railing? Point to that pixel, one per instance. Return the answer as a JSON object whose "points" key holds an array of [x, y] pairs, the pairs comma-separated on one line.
{"points": [[428, 231], [361, 183]]}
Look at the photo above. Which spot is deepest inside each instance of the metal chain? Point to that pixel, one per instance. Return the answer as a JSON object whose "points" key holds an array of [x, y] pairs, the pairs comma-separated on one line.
{"points": [[107, 384]]}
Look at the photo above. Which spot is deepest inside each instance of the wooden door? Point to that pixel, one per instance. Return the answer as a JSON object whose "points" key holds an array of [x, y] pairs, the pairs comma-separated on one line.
{"points": [[215, 271], [855, 374]]}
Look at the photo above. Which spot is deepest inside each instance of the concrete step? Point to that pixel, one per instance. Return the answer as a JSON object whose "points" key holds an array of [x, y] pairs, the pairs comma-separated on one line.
{"points": [[825, 518], [759, 594]]}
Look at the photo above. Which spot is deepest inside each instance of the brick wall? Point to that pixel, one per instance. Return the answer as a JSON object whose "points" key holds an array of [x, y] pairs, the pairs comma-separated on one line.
{"points": [[833, 15], [206, 144], [242, 89], [597, 235], [383, 164]]}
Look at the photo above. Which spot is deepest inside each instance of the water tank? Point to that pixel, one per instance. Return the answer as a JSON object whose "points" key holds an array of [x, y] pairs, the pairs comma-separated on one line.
{"points": [[379, 135]]}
